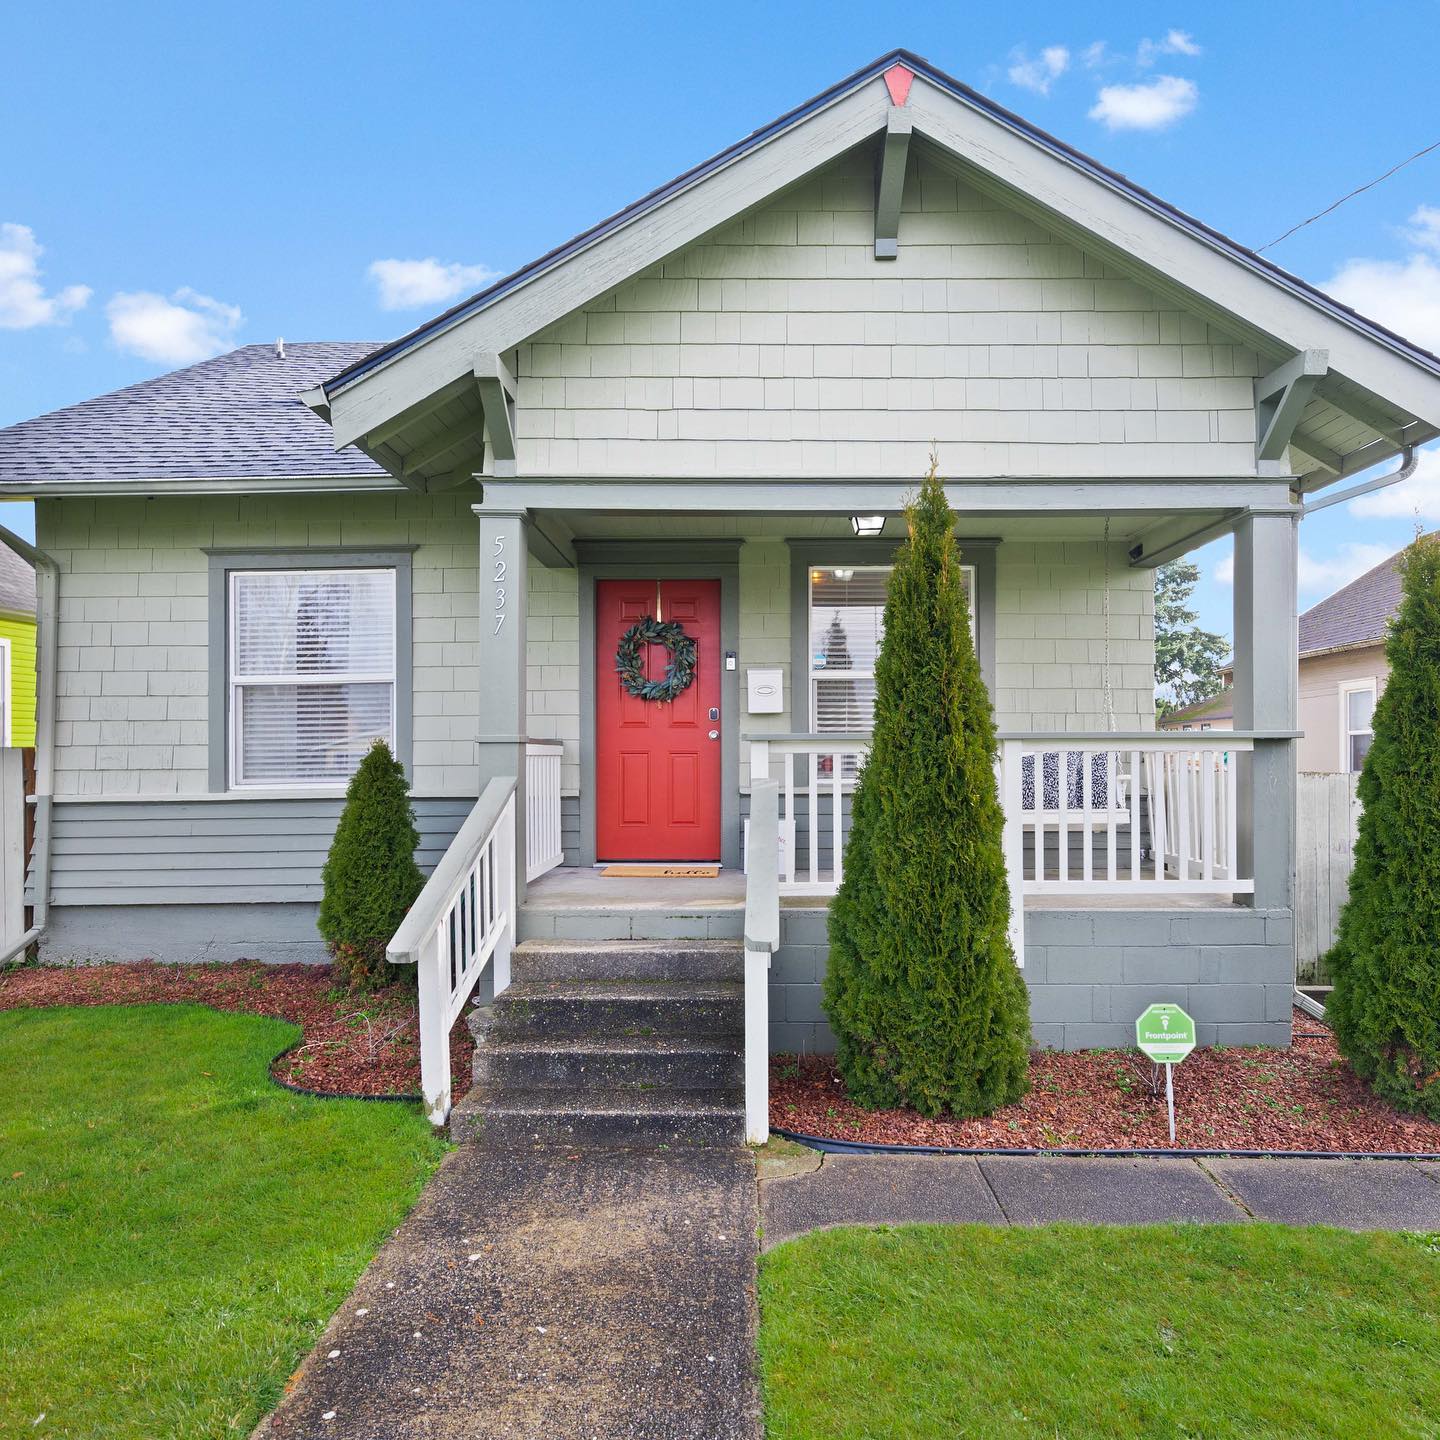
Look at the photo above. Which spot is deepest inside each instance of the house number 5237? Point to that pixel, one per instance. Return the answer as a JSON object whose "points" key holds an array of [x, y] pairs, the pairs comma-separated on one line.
{"points": [[501, 570]]}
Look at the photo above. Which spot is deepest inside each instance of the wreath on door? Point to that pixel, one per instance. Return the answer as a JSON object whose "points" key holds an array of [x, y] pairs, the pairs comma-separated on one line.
{"points": [[630, 659]]}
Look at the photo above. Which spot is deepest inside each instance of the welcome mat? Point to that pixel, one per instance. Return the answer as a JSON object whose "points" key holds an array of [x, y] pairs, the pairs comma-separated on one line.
{"points": [[665, 872]]}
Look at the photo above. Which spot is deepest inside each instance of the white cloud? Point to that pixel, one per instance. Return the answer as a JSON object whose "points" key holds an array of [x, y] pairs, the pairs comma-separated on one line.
{"points": [[179, 331], [1401, 294], [23, 301], [1042, 72], [406, 284], [1423, 231], [1417, 498], [1149, 106], [1094, 55], [1176, 42], [1322, 576]]}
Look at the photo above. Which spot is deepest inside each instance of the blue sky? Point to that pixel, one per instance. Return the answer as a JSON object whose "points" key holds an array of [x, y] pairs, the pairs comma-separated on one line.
{"points": [[179, 178]]}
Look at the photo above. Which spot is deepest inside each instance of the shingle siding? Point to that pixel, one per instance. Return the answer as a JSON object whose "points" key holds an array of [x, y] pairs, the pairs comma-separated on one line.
{"points": [[779, 346]]}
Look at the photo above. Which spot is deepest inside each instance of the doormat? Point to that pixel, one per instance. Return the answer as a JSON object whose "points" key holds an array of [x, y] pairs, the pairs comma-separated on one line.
{"points": [[665, 872]]}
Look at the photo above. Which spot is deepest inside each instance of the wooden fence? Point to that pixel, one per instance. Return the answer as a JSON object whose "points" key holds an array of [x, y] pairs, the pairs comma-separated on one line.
{"points": [[1327, 812], [16, 835]]}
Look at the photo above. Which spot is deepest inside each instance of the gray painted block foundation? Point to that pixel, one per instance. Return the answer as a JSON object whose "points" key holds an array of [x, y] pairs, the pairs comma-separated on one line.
{"points": [[1090, 973], [182, 934]]}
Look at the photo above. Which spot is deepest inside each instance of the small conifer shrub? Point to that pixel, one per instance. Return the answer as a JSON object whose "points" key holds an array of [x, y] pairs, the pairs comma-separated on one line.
{"points": [[922, 991], [1385, 1007], [370, 876]]}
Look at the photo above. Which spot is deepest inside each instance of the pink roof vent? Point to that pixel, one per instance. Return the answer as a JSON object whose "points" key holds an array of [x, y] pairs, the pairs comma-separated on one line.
{"points": [[897, 82]]}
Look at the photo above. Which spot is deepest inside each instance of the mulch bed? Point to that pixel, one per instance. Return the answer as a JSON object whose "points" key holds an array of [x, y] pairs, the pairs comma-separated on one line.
{"points": [[1245, 1098], [352, 1044]]}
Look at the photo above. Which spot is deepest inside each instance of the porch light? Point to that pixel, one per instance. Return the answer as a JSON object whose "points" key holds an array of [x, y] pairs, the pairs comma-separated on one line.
{"points": [[867, 525]]}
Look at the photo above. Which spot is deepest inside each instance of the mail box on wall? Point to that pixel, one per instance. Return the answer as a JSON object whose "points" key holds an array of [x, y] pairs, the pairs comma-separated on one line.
{"points": [[765, 691]]}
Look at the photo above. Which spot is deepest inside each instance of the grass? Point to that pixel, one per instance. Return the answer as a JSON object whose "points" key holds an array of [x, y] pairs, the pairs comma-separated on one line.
{"points": [[1078, 1332], [175, 1230]]}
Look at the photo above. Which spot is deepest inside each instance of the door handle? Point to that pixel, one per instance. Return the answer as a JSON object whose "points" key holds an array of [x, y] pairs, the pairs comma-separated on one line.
{"points": [[714, 734]]}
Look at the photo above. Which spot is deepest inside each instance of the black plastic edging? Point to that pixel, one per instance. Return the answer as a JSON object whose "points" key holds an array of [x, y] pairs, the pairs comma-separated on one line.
{"points": [[828, 1146], [327, 1094]]}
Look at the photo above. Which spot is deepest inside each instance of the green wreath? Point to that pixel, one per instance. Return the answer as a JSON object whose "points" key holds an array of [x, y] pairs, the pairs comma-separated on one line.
{"points": [[630, 659]]}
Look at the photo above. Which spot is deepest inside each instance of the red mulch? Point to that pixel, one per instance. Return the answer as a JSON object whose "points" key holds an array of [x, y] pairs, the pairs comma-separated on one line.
{"points": [[1249, 1098], [352, 1044]]}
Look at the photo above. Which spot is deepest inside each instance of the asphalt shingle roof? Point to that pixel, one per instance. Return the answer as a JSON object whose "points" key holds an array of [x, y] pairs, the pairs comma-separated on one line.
{"points": [[17, 581], [238, 416], [1356, 615]]}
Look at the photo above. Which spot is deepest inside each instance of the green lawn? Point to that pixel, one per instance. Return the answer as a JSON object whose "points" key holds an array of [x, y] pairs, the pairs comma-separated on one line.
{"points": [[174, 1228], [1071, 1332]]}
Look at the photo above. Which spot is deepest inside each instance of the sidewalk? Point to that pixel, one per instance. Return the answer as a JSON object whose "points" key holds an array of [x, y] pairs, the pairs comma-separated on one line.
{"points": [[603, 1294], [1021, 1190]]}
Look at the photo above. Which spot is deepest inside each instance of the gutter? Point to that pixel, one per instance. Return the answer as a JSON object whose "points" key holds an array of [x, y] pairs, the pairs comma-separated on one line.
{"points": [[1409, 459], [47, 637]]}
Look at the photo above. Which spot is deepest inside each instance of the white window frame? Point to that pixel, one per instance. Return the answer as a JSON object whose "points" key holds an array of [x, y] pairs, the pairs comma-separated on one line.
{"points": [[234, 685], [7, 722], [1347, 689], [812, 674]]}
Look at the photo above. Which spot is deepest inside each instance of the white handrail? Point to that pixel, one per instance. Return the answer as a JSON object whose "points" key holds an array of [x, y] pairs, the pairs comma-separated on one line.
{"points": [[462, 920], [544, 843], [762, 939]]}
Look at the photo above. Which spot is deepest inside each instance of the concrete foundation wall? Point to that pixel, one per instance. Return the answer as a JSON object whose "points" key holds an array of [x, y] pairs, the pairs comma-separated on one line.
{"points": [[1091, 973]]}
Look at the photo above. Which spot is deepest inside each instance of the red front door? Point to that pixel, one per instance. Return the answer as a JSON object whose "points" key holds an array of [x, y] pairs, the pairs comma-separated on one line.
{"points": [[657, 764]]}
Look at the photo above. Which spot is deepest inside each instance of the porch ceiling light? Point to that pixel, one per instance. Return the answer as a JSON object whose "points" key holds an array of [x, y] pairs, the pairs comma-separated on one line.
{"points": [[867, 525]]}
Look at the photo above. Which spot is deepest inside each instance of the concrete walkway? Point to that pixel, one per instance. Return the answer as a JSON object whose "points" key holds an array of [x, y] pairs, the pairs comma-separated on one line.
{"points": [[544, 1295], [1024, 1190]]}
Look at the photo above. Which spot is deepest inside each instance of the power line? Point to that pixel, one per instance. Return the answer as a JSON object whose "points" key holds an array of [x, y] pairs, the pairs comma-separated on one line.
{"points": [[1369, 185]]}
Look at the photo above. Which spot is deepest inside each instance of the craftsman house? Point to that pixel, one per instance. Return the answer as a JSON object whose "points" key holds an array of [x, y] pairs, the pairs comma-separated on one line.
{"points": [[701, 418]]}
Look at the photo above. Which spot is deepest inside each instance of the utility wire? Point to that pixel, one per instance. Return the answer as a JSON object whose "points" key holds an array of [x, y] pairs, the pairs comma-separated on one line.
{"points": [[1369, 185]]}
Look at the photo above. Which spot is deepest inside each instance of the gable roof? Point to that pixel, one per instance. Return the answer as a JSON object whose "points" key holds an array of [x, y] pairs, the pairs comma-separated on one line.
{"points": [[1356, 615], [236, 417], [1214, 707], [1390, 386], [17, 583]]}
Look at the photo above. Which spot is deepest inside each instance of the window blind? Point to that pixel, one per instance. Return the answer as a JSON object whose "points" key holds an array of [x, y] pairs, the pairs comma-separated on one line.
{"points": [[312, 673]]}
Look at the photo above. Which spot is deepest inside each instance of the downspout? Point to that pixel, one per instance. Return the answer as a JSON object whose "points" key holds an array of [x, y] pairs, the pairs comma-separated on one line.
{"points": [[47, 613], [1409, 459]]}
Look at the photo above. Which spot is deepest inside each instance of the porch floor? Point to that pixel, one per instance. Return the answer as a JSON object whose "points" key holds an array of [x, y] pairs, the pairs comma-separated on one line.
{"points": [[585, 888]]}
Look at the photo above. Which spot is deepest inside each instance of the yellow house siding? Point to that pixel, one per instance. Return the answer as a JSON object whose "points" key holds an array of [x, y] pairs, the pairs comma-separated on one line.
{"points": [[21, 700]]}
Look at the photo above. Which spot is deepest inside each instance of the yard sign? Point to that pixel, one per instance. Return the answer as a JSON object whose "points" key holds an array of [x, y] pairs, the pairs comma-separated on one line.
{"points": [[1167, 1035]]}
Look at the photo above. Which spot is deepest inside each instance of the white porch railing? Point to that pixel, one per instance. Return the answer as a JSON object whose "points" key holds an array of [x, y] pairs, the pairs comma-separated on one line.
{"points": [[762, 938], [463, 920], [544, 845], [815, 767]]}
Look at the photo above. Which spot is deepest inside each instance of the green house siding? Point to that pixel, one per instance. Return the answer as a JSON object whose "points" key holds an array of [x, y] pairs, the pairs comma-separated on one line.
{"points": [[20, 702]]}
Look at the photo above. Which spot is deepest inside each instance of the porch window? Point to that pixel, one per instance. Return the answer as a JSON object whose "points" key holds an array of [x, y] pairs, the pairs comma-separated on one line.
{"points": [[1357, 724], [311, 661], [847, 623]]}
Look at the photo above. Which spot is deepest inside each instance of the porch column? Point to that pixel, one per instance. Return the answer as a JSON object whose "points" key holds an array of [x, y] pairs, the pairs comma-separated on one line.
{"points": [[1266, 698], [501, 724]]}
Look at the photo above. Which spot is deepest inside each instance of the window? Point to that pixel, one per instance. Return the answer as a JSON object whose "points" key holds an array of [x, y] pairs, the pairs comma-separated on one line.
{"points": [[1357, 720], [311, 661], [847, 615]]}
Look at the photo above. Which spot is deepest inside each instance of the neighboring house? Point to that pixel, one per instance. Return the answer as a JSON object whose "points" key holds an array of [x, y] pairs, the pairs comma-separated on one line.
{"points": [[1217, 712], [17, 649], [709, 409], [1343, 669]]}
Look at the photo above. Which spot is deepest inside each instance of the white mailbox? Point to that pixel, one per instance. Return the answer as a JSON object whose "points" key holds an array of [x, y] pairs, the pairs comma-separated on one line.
{"points": [[765, 691]]}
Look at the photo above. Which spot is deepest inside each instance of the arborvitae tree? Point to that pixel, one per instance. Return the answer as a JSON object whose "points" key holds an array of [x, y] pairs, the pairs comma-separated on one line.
{"points": [[1385, 1007], [370, 877], [922, 991]]}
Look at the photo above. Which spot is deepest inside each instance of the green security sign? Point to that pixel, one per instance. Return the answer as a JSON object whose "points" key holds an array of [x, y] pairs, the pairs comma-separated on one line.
{"points": [[1165, 1033]]}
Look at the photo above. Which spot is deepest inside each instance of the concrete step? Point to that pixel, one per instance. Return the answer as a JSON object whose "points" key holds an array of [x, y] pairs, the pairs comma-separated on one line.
{"points": [[642, 1065], [596, 1117], [619, 1009], [628, 960], [553, 922]]}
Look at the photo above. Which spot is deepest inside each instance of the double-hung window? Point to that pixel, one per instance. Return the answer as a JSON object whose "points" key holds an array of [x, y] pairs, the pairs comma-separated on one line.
{"points": [[1357, 723], [311, 669], [847, 624]]}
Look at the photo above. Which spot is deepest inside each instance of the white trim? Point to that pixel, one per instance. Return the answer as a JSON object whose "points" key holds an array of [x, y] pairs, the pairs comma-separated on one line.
{"points": [[235, 684], [1345, 690], [7, 732]]}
